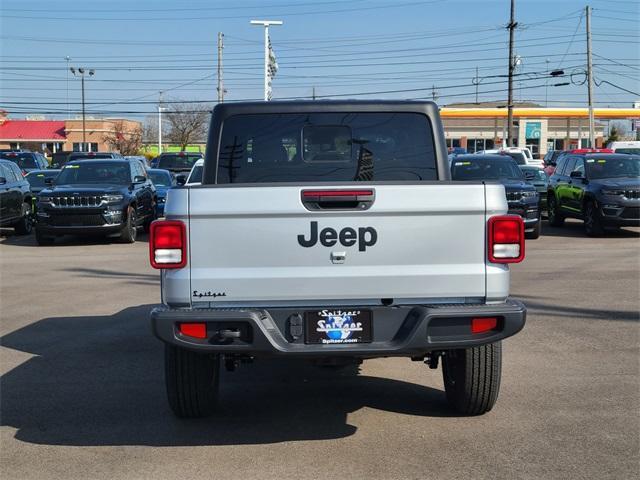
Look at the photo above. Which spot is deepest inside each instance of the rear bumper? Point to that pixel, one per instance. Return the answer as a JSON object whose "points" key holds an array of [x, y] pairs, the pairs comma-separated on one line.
{"points": [[397, 331]]}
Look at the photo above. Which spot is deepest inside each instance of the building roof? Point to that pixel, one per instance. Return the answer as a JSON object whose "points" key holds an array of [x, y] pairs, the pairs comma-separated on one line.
{"points": [[32, 131], [539, 112]]}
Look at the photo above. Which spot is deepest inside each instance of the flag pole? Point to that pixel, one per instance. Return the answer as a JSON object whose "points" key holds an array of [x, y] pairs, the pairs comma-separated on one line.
{"points": [[265, 24]]}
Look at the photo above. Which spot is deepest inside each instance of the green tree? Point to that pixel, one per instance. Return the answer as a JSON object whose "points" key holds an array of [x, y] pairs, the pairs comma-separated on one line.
{"points": [[614, 135]]}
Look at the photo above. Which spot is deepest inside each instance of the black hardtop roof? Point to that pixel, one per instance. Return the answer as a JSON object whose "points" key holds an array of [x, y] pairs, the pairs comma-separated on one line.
{"points": [[329, 106]]}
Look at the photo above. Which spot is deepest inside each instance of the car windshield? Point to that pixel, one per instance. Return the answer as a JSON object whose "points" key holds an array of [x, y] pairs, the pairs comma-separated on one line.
{"points": [[629, 150], [327, 147], [36, 179], [24, 160], [613, 167], [115, 173], [178, 161], [196, 175], [162, 179], [477, 169]]}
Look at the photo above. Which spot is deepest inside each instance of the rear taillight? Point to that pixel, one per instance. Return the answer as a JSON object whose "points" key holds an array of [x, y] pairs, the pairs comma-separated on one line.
{"points": [[506, 239], [168, 244]]}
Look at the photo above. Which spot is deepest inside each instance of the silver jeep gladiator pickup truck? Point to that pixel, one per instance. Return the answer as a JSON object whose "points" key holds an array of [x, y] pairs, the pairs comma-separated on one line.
{"points": [[331, 231]]}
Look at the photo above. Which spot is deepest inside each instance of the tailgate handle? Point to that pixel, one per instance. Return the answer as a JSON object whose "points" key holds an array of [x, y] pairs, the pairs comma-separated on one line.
{"points": [[360, 199]]}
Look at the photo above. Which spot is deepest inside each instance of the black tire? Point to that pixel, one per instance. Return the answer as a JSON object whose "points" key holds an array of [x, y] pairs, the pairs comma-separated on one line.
{"points": [[556, 219], [130, 230], [192, 381], [592, 220], [536, 231], [472, 378], [42, 239], [25, 225]]}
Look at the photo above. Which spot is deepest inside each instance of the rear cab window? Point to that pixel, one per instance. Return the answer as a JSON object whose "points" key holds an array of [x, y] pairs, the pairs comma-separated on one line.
{"points": [[326, 147], [23, 160]]}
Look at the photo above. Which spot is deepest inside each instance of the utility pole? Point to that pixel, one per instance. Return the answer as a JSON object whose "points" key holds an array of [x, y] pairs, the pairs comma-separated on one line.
{"points": [[313, 93], [81, 71], [590, 81], [434, 94], [265, 24], [160, 124], [476, 82], [220, 84], [512, 26], [68, 58]]}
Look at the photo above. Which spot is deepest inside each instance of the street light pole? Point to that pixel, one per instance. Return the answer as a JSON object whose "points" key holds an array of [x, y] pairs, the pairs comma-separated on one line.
{"points": [[265, 24], [590, 82], [81, 71]]}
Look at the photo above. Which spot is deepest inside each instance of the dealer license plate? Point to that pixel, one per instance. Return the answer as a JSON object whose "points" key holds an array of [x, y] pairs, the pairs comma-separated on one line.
{"points": [[338, 326]]}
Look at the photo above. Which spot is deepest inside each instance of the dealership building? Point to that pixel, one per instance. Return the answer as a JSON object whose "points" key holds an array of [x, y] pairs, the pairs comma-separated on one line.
{"points": [[483, 126]]}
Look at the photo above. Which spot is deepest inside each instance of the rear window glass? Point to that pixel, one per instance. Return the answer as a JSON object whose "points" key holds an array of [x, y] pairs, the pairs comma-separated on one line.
{"points": [[628, 150], [178, 161], [326, 147], [480, 169], [23, 160], [518, 157]]}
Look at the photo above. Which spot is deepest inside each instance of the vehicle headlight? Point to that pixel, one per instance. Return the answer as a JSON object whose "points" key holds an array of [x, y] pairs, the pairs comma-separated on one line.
{"points": [[113, 198], [614, 193]]}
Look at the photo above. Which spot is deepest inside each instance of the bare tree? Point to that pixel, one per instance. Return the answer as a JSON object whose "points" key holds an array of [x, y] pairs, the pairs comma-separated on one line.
{"points": [[150, 129], [124, 139], [188, 123]]}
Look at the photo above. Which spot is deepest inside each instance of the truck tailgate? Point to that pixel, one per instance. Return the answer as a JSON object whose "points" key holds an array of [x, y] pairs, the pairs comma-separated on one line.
{"points": [[244, 245]]}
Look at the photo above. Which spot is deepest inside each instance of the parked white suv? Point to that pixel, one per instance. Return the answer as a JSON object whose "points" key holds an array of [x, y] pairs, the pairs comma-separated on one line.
{"points": [[522, 156]]}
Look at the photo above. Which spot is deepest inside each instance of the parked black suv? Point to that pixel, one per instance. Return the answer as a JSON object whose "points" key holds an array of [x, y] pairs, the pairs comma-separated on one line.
{"points": [[15, 199], [522, 197], [27, 161], [96, 197], [180, 162], [603, 189]]}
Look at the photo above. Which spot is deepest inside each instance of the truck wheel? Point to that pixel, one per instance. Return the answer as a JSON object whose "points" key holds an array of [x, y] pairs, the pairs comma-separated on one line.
{"points": [[472, 378], [42, 239], [129, 230], [192, 381], [536, 231], [25, 225], [592, 221], [555, 217]]}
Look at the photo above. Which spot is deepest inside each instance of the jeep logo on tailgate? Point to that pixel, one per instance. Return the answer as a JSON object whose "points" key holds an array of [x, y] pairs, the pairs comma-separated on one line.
{"points": [[364, 237]]}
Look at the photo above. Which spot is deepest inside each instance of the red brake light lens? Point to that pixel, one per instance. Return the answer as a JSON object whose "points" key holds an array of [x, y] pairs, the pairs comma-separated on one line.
{"points": [[195, 330], [168, 244], [506, 239], [482, 325]]}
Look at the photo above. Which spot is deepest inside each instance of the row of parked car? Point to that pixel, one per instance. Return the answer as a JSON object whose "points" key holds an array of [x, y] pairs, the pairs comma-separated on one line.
{"points": [[109, 195], [599, 186], [116, 195]]}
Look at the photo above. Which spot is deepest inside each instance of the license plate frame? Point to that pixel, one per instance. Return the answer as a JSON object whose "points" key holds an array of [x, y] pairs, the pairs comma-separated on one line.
{"points": [[336, 326]]}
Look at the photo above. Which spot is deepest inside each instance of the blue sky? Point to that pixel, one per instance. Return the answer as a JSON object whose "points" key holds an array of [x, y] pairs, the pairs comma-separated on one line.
{"points": [[353, 48]]}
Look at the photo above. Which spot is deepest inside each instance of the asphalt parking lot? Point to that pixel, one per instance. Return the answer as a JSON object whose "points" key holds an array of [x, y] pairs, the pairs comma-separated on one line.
{"points": [[82, 393]]}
